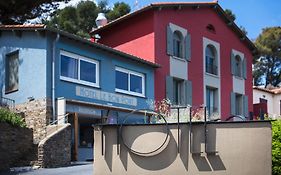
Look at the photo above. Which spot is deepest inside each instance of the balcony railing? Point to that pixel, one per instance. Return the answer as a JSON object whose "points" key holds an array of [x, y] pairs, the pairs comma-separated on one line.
{"points": [[7, 103]]}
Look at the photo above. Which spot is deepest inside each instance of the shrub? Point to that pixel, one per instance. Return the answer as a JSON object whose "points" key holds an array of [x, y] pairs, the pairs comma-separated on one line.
{"points": [[12, 118], [276, 147]]}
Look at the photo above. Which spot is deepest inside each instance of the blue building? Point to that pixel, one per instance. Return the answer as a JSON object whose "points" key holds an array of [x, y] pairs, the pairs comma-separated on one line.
{"points": [[50, 74]]}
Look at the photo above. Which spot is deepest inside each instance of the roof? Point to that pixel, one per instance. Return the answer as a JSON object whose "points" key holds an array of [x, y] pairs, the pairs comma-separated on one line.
{"points": [[272, 91], [41, 27], [162, 5]]}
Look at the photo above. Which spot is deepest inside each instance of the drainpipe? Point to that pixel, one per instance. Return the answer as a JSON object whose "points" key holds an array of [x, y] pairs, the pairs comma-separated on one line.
{"points": [[53, 76]]}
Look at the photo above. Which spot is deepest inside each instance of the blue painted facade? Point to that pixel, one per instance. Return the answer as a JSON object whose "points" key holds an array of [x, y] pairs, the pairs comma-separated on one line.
{"points": [[32, 65], [35, 69], [36, 50]]}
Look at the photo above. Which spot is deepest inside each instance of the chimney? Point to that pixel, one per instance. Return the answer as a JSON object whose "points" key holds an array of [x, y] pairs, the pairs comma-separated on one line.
{"points": [[101, 20]]}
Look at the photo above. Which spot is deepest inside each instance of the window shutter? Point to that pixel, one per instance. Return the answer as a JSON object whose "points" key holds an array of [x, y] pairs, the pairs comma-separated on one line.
{"points": [[169, 41], [169, 88], [244, 67], [232, 103], [232, 63], [245, 106], [188, 92], [187, 47]]}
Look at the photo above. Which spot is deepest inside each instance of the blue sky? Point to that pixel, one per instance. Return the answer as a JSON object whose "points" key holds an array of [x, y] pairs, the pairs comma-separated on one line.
{"points": [[252, 14]]}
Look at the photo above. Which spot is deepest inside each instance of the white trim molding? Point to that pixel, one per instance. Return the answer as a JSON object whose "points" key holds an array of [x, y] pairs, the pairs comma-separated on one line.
{"points": [[211, 80], [130, 72]]}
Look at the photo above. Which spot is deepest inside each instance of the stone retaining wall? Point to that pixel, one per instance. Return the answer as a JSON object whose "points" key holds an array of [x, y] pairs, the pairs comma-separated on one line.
{"points": [[16, 146], [55, 149], [37, 114]]}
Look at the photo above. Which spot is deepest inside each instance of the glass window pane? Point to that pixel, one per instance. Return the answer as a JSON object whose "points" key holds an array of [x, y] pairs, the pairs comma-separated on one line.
{"points": [[135, 83], [87, 71], [12, 67], [121, 80], [69, 67]]}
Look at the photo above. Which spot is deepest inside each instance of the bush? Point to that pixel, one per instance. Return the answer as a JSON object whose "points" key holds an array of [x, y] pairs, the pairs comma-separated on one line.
{"points": [[276, 147], [12, 118]]}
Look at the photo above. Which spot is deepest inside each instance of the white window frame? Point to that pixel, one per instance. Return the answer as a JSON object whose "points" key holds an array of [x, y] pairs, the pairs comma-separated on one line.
{"points": [[78, 58], [129, 92]]}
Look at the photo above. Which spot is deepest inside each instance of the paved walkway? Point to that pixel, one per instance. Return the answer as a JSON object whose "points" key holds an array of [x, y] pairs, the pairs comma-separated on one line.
{"points": [[83, 168]]}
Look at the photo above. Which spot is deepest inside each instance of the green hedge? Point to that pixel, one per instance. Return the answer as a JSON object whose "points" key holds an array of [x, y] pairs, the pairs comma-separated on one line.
{"points": [[9, 117], [276, 147]]}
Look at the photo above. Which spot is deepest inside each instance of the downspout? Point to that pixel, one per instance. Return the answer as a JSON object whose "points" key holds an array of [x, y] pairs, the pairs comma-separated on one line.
{"points": [[53, 76]]}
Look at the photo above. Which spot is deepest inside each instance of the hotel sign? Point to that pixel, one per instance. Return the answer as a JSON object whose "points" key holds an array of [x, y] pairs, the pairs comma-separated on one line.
{"points": [[105, 96]]}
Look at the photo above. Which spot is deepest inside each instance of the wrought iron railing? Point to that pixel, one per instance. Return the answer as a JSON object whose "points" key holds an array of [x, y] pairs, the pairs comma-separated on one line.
{"points": [[7, 103]]}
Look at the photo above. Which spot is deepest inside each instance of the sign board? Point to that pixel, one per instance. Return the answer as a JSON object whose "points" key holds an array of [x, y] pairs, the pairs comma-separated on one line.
{"points": [[105, 96]]}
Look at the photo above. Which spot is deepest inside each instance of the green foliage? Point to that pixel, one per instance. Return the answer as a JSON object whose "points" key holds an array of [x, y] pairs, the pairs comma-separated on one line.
{"points": [[230, 14], [267, 64], [11, 118], [81, 19], [18, 11], [276, 147], [119, 9]]}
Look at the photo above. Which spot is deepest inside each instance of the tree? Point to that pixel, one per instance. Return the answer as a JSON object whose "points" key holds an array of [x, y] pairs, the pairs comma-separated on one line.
{"points": [[18, 11], [80, 20], [232, 17], [230, 14], [267, 64], [119, 9]]}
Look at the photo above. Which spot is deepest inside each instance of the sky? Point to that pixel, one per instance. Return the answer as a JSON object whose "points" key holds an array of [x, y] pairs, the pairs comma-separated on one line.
{"points": [[254, 15]]}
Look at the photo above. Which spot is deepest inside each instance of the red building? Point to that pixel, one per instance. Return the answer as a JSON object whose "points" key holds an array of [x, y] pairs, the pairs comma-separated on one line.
{"points": [[205, 58]]}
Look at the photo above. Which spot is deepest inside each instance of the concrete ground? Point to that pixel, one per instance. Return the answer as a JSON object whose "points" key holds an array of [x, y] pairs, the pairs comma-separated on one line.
{"points": [[78, 168]]}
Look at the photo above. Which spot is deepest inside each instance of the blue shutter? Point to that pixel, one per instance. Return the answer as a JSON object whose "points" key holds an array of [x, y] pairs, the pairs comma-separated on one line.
{"points": [[169, 41], [245, 106], [244, 67], [187, 47], [232, 63], [232, 103], [169, 88], [188, 92]]}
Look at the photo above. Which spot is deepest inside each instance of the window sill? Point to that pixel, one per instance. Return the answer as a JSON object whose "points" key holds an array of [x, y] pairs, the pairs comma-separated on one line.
{"points": [[11, 91], [79, 82], [178, 58], [238, 77], [212, 75], [129, 93]]}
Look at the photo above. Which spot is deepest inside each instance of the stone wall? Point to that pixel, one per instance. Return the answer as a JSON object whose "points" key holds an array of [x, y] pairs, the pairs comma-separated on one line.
{"points": [[16, 146], [55, 149], [37, 114]]}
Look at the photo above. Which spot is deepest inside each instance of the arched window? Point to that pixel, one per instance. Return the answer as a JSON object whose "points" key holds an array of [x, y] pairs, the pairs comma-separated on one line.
{"points": [[211, 61], [238, 66], [177, 44]]}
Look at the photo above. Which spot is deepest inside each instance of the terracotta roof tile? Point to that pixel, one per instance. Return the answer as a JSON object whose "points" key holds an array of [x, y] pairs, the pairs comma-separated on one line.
{"points": [[22, 26], [272, 91]]}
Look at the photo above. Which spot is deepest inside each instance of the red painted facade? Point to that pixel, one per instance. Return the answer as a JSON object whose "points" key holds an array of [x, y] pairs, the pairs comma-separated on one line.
{"points": [[144, 35]]}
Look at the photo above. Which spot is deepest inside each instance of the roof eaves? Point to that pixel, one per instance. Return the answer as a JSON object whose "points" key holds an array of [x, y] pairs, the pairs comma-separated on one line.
{"points": [[77, 38], [103, 47], [214, 4]]}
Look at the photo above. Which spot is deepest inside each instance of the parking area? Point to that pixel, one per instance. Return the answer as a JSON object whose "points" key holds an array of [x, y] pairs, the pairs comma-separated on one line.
{"points": [[81, 168]]}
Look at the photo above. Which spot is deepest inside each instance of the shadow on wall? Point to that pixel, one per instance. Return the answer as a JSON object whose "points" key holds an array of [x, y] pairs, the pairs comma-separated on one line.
{"points": [[175, 147]]}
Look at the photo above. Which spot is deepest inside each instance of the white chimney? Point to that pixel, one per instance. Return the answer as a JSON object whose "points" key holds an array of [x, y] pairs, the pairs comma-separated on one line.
{"points": [[101, 20]]}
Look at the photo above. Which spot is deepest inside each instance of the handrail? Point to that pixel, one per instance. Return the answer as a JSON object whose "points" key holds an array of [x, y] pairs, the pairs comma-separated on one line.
{"points": [[7, 102], [65, 118]]}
